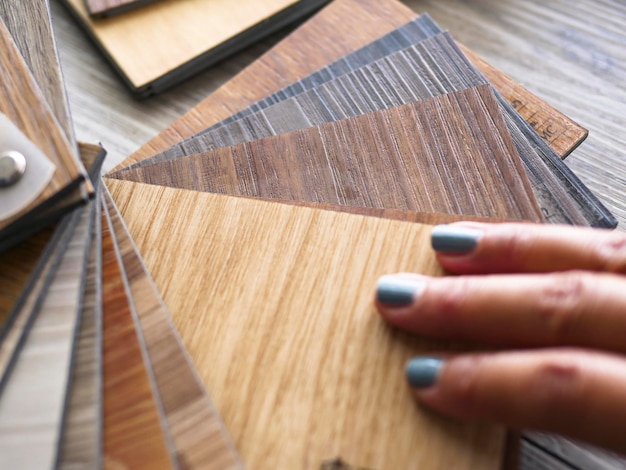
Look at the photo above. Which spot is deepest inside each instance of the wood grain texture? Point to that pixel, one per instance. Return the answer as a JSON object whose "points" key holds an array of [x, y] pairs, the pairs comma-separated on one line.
{"points": [[433, 66], [29, 24], [341, 28], [102, 8], [22, 102], [198, 434], [274, 304], [186, 34], [81, 441], [407, 158], [133, 434], [33, 400]]}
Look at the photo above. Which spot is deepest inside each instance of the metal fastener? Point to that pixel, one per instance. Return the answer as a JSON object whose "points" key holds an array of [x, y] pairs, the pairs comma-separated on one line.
{"points": [[12, 167]]}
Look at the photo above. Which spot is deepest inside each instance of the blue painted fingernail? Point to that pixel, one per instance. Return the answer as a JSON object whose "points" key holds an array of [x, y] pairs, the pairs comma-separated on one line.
{"points": [[423, 372], [453, 239], [398, 291]]}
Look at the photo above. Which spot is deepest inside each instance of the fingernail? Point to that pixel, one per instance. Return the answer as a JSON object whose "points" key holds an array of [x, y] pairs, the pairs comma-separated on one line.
{"points": [[452, 239], [423, 372], [398, 291]]}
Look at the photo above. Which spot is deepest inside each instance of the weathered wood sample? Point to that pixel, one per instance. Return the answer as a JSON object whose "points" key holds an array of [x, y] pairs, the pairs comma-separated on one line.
{"points": [[163, 43], [32, 402], [450, 154], [133, 431], [274, 303], [22, 106], [102, 8], [198, 434], [341, 28], [430, 68]]}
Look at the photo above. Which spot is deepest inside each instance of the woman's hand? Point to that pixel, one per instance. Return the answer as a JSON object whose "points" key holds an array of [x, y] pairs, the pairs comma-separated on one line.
{"points": [[556, 294]]}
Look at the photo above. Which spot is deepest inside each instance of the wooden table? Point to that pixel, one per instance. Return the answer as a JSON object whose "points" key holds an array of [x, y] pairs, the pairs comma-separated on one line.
{"points": [[571, 53]]}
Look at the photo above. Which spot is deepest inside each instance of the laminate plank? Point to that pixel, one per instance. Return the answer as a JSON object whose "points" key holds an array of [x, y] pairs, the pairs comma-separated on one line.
{"points": [[198, 434], [81, 441], [23, 104], [273, 302], [133, 428], [406, 158], [30, 25], [33, 400], [341, 28], [102, 8], [190, 35], [432, 67]]}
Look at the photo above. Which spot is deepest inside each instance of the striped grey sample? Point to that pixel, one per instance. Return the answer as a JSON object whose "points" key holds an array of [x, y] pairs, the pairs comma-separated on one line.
{"points": [[433, 67]]}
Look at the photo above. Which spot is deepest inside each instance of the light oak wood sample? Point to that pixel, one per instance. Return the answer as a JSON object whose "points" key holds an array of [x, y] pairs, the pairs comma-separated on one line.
{"points": [[179, 33], [339, 29], [24, 105], [32, 401], [430, 68], [101, 8], [133, 432], [408, 157], [198, 434], [274, 303]]}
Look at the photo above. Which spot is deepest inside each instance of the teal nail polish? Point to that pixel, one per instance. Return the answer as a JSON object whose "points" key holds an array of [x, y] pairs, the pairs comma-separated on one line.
{"points": [[452, 239], [398, 290], [422, 372]]}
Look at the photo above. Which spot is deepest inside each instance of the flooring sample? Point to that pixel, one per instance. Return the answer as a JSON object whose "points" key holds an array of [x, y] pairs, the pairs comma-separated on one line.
{"points": [[432, 67], [198, 434], [102, 8], [449, 154], [168, 41], [81, 442], [33, 400], [563, 137], [25, 115], [133, 432], [274, 303], [341, 28]]}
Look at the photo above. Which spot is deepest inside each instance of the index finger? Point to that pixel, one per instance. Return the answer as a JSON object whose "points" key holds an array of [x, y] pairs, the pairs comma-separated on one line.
{"points": [[477, 248]]}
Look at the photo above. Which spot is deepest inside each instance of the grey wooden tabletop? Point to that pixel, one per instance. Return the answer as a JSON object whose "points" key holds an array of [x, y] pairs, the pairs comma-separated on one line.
{"points": [[572, 53]]}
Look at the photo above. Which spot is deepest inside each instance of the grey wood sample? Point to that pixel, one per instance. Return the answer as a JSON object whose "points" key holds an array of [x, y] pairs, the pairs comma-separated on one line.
{"points": [[104, 8], [450, 154], [430, 68]]}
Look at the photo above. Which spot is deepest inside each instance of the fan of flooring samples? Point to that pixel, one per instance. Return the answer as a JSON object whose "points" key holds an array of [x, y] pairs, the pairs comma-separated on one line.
{"points": [[211, 305]]}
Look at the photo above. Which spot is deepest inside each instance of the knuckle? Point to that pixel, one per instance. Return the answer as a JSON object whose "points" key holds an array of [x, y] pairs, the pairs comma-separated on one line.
{"points": [[517, 242], [454, 295], [557, 384], [562, 302], [612, 251]]}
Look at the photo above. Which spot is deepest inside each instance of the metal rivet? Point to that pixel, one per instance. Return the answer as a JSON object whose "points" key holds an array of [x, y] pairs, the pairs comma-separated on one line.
{"points": [[12, 167]]}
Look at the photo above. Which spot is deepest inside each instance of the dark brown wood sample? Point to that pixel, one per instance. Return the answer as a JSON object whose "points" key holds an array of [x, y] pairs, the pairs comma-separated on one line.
{"points": [[133, 435], [341, 28], [198, 434], [449, 154], [434, 66]]}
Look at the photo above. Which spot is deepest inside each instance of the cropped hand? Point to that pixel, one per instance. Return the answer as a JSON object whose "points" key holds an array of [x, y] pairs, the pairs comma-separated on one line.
{"points": [[551, 298]]}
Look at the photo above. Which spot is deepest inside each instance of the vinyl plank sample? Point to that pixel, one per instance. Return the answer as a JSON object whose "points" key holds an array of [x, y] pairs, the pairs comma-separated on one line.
{"points": [[274, 303], [33, 400], [102, 8], [133, 433], [341, 28], [450, 154], [25, 108], [191, 35], [432, 67], [198, 434]]}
